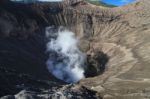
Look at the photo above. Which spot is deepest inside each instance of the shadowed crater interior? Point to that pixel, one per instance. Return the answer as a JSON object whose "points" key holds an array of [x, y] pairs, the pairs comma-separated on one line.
{"points": [[96, 64]]}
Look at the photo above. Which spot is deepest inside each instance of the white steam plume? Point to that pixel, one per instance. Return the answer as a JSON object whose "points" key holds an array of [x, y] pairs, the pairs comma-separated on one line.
{"points": [[66, 61]]}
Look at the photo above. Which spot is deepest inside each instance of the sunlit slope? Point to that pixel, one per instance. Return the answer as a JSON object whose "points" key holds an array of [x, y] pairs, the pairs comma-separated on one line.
{"points": [[99, 2]]}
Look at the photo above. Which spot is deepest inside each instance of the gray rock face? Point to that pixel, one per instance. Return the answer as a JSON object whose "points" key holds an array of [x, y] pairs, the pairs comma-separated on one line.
{"points": [[8, 97], [22, 49], [26, 95], [66, 92]]}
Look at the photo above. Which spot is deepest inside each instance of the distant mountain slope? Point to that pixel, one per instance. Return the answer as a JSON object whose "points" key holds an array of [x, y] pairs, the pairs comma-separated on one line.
{"points": [[99, 2]]}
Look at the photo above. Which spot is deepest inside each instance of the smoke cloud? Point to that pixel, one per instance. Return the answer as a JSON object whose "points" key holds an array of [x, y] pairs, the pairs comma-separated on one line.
{"points": [[66, 61]]}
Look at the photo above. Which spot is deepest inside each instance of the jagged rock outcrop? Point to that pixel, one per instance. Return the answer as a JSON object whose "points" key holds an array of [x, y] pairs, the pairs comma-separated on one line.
{"points": [[122, 33], [66, 92]]}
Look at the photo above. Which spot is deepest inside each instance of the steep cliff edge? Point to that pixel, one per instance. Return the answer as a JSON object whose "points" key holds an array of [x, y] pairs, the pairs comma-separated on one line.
{"points": [[122, 33]]}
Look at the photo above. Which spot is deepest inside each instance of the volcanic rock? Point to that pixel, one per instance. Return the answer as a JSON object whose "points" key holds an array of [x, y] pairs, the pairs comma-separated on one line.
{"points": [[120, 33]]}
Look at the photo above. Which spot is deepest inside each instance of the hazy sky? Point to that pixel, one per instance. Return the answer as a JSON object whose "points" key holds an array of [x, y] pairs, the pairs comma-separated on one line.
{"points": [[118, 2]]}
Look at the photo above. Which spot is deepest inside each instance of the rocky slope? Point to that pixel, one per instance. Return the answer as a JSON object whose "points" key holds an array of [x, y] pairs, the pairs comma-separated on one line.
{"points": [[123, 34], [120, 34], [22, 48]]}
